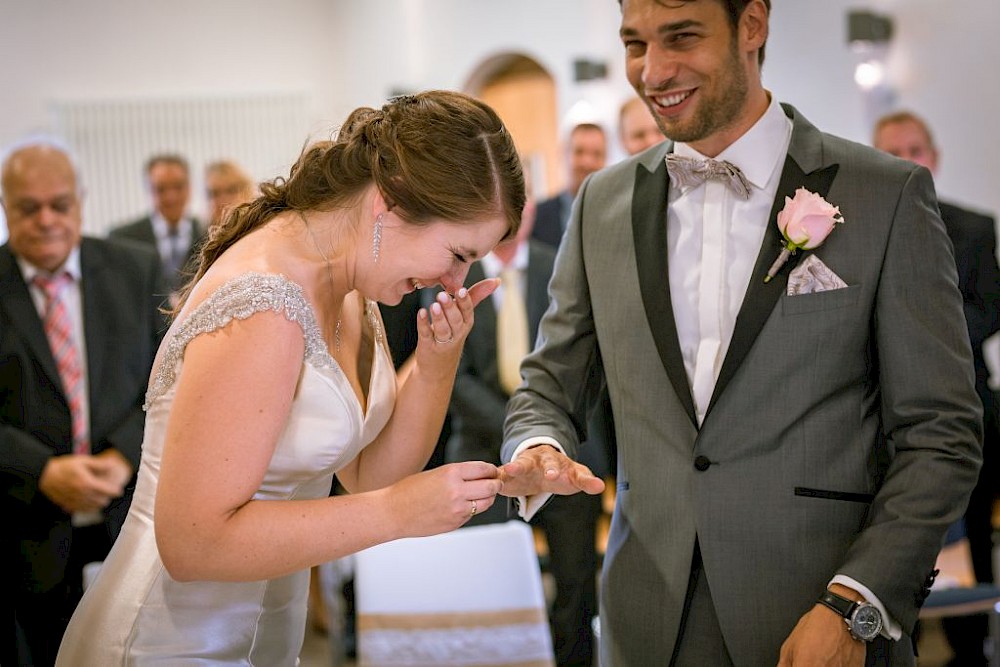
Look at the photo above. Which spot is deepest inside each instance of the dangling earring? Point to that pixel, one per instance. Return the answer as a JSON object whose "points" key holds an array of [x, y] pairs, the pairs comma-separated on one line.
{"points": [[377, 237]]}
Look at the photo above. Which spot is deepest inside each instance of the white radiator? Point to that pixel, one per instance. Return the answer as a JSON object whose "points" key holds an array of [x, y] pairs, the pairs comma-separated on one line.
{"points": [[112, 140]]}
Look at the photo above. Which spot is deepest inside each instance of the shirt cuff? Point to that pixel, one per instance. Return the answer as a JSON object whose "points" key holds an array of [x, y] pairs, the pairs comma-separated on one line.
{"points": [[528, 506], [890, 628]]}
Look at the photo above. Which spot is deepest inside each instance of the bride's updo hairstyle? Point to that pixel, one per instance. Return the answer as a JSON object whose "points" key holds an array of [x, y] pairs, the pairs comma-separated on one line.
{"points": [[434, 155]]}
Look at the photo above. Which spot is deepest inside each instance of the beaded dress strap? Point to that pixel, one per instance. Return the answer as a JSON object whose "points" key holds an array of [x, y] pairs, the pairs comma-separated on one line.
{"points": [[239, 298]]}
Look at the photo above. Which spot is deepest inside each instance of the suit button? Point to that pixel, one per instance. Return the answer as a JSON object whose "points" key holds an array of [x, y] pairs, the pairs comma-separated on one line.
{"points": [[702, 463]]}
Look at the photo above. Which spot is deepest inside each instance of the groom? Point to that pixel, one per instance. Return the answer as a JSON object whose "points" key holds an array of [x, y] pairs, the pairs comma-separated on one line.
{"points": [[790, 452]]}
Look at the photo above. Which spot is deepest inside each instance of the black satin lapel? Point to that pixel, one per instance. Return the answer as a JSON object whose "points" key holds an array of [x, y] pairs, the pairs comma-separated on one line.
{"points": [[649, 231], [761, 297], [15, 298]]}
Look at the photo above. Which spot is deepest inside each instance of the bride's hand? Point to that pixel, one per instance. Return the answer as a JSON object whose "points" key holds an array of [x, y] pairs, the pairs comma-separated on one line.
{"points": [[442, 331], [443, 498]]}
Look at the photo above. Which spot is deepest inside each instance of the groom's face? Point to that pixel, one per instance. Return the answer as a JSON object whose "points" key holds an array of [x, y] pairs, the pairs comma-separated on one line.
{"points": [[691, 67]]}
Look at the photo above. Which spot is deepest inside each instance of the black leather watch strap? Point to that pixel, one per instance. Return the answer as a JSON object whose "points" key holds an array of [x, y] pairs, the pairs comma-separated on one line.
{"points": [[838, 603]]}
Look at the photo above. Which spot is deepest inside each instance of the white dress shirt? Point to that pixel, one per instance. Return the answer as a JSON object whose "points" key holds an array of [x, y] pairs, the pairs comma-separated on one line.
{"points": [[165, 243], [713, 238], [73, 299]]}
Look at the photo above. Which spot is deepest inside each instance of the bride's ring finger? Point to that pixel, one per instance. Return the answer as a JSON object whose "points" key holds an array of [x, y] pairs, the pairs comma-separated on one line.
{"points": [[441, 329], [452, 310]]}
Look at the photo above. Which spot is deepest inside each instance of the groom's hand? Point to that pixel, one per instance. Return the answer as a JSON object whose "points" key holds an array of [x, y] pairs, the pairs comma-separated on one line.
{"points": [[822, 638], [544, 469]]}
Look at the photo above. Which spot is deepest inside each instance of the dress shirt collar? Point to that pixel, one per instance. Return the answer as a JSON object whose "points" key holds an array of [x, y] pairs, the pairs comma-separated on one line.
{"points": [[758, 152], [185, 226], [492, 266], [70, 266]]}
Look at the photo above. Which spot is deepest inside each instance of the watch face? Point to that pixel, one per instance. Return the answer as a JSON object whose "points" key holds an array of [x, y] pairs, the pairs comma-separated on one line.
{"points": [[866, 622]]}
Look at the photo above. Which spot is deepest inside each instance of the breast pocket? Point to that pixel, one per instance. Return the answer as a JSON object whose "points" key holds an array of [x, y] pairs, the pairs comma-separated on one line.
{"points": [[820, 301]]}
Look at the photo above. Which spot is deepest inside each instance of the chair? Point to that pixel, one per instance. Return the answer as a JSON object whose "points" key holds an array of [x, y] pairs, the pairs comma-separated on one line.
{"points": [[960, 595], [473, 596], [978, 599]]}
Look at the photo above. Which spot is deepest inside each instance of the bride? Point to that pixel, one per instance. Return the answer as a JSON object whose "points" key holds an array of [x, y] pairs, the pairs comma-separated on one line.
{"points": [[275, 376]]}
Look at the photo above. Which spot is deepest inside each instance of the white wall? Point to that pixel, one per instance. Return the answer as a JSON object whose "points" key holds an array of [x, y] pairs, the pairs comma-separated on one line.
{"points": [[943, 64], [944, 59], [107, 50]]}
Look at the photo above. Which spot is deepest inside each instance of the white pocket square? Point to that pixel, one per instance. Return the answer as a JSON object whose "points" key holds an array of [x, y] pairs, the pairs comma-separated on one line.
{"points": [[812, 276]]}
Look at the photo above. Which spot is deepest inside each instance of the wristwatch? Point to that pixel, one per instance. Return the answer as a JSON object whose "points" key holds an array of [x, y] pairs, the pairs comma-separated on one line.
{"points": [[863, 618]]}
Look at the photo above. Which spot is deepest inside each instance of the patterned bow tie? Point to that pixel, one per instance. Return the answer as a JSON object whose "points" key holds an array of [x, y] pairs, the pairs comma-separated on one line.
{"points": [[686, 171]]}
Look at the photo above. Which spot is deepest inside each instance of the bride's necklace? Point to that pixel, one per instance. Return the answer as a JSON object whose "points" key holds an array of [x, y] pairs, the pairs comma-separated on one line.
{"points": [[329, 268]]}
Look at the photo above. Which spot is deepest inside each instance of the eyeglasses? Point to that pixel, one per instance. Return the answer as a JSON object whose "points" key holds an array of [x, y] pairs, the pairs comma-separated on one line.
{"points": [[230, 190], [62, 205]]}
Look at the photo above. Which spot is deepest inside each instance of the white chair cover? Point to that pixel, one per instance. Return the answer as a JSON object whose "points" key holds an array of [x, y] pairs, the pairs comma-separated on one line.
{"points": [[470, 597]]}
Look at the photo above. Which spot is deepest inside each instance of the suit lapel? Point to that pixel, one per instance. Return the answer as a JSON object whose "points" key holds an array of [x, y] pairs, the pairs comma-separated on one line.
{"points": [[147, 233], [802, 169], [649, 232], [197, 239], [95, 286], [15, 298]]}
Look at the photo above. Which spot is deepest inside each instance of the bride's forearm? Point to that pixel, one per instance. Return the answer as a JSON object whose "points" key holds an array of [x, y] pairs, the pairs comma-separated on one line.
{"points": [[265, 539]]}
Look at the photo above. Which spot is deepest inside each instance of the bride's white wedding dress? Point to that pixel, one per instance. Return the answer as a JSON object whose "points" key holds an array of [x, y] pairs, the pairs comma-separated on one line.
{"points": [[135, 613]]}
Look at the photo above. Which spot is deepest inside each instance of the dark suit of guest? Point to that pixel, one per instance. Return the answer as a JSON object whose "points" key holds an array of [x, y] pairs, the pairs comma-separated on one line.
{"points": [[400, 325], [142, 231], [40, 569], [973, 237], [551, 216], [478, 407]]}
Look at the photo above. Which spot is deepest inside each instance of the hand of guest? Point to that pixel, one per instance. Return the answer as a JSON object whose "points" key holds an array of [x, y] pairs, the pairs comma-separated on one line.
{"points": [[443, 498], [442, 331], [114, 467], [822, 638], [544, 469], [78, 483]]}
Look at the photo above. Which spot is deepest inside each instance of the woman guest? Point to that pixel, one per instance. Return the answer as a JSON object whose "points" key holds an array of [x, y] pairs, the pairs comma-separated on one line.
{"points": [[226, 186], [275, 376]]}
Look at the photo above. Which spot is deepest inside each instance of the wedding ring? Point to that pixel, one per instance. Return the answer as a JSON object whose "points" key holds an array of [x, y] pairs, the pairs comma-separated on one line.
{"points": [[443, 342], [474, 508]]}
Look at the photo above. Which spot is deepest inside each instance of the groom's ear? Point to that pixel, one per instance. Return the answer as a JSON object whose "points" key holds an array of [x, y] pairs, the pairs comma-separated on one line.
{"points": [[753, 27]]}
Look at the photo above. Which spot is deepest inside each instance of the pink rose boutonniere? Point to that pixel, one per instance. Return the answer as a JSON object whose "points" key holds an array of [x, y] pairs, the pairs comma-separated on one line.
{"points": [[805, 222]]}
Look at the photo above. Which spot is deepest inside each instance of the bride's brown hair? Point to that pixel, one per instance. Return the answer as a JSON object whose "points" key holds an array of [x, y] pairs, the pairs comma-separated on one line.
{"points": [[434, 155]]}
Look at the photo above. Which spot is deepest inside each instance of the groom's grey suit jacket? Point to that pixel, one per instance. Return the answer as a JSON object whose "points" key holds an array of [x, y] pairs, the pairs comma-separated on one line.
{"points": [[844, 432]]}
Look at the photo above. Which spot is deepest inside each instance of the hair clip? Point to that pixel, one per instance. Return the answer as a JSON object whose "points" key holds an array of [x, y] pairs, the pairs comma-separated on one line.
{"points": [[403, 99]]}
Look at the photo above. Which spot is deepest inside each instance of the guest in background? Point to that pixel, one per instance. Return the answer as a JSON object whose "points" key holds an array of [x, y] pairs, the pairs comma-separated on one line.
{"points": [[637, 129], [169, 228], [77, 337], [226, 185], [586, 152], [973, 237], [488, 373]]}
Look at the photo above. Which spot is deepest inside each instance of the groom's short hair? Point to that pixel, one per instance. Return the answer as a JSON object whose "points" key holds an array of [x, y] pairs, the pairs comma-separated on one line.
{"points": [[734, 9]]}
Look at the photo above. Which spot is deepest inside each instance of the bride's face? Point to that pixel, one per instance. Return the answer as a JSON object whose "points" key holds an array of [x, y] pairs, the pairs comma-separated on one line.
{"points": [[439, 253]]}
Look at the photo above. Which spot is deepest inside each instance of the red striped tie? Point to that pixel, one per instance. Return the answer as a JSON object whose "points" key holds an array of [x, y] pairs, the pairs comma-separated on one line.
{"points": [[59, 330]]}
